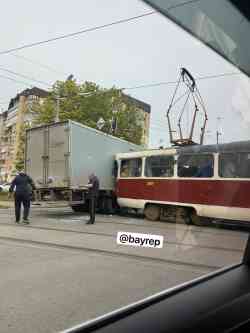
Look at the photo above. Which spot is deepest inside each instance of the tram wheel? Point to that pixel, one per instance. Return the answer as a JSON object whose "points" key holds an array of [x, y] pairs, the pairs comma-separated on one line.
{"points": [[152, 212], [198, 221], [195, 219]]}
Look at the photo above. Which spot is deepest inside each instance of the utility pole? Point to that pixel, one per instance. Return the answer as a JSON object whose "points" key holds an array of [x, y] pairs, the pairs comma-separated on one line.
{"points": [[217, 137], [218, 133], [57, 98], [57, 108], [207, 134]]}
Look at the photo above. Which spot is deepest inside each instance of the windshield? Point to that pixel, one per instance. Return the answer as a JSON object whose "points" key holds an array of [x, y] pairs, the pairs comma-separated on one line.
{"points": [[214, 22], [124, 154]]}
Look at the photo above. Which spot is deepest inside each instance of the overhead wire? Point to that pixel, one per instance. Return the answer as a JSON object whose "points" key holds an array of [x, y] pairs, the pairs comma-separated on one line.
{"points": [[14, 80], [73, 34], [127, 88], [9, 51], [95, 28], [163, 83], [38, 63], [24, 76]]}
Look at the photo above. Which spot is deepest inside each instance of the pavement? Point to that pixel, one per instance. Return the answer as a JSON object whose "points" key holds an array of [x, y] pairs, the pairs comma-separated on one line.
{"points": [[58, 272], [6, 204]]}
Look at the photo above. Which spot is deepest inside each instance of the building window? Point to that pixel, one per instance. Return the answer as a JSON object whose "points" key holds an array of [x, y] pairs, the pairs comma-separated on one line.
{"points": [[131, 168], [159, 166], [234, 165], [196, 165]]}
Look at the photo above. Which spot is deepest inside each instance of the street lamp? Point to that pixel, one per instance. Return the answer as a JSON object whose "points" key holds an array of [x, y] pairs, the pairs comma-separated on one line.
{"points": [[101, 122]]}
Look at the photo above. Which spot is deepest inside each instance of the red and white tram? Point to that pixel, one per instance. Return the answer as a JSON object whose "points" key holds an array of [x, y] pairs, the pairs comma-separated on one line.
{"points": [[186, 183]]}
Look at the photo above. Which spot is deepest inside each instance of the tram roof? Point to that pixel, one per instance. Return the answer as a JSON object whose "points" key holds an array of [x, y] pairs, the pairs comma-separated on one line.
{"points": [[238, 146], [148, 152]]}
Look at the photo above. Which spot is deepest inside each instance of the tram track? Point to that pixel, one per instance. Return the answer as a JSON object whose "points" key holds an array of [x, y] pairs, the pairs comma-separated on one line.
{"points": [[102, 234], [227, 226], [165, 224], [176, 263], [172, 226]]}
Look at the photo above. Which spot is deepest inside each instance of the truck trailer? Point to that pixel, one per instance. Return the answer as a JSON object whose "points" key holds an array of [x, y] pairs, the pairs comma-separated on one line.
{"points": [[60, 156]]}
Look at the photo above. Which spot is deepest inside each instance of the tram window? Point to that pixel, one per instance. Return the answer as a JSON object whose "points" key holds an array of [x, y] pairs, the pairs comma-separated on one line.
{"points": [[159, 166], [228, 165], [198, 165], [131, 168], [234, 165], [244, 165]]}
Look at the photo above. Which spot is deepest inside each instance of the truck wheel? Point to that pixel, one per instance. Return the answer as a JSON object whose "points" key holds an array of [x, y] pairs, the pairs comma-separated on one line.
{"points": [[152, 212], [109, 206], [79, 208], [105, 205]]}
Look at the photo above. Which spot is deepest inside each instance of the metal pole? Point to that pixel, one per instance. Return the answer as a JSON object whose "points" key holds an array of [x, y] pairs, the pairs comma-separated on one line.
{"points": [[57, 108], [217, 137], [193, 122], [218, 133]]}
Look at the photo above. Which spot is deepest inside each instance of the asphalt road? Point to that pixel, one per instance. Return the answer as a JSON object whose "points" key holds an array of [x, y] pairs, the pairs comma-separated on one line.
{"points": [[58, 272]]}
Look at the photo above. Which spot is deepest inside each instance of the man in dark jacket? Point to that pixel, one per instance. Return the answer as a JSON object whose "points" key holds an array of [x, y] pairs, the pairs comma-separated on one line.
{"points": [[93, 186], [23, 186]]}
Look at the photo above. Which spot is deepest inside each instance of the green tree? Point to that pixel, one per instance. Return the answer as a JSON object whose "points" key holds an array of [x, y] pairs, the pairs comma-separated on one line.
{"points": [[86, 103], [19, 162]]}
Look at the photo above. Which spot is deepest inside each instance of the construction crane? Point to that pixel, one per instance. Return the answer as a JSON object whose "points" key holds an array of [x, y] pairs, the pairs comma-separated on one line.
{"points": [[191, 94]]}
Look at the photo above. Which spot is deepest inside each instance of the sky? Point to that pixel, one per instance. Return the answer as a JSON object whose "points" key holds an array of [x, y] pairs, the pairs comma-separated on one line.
{"points": [[144, 51]]}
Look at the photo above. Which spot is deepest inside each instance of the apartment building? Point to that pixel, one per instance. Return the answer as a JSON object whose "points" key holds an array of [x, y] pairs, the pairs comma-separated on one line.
{"points": [[19, 112]]}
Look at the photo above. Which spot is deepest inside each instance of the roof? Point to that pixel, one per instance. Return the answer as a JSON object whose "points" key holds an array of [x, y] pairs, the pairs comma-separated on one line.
{"points": [[65, 122], [140, 104], [4, 114], [239, 146], [146, 153], [28, 92]]}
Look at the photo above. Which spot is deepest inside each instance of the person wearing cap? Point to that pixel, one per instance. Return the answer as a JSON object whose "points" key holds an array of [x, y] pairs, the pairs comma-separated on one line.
{"points": [[93, 189], [23, 186]]}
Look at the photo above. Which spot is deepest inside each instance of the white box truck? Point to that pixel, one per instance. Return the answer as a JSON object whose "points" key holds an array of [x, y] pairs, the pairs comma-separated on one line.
{"points": [[60, 156]]}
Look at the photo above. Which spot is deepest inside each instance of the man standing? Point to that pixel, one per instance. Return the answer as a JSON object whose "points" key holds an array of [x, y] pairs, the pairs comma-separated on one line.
{"points": [[23, 186], [93, 186]]}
